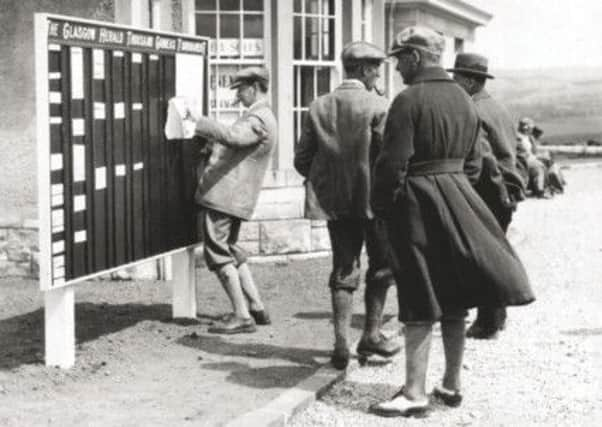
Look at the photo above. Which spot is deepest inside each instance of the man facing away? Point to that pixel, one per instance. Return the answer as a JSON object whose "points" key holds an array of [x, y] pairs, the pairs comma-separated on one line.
{"points": [[453, 253], [340, 138], [228, 190], [500, 185]]}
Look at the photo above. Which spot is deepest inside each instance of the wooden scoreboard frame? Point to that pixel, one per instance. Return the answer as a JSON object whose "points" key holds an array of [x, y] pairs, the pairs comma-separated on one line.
{"points": [[112, 192]]}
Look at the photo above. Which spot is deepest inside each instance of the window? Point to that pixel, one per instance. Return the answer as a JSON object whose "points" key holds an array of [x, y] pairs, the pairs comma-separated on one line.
{"points": [[458, 45], [314, 24], [236, 29], [366, 21]]}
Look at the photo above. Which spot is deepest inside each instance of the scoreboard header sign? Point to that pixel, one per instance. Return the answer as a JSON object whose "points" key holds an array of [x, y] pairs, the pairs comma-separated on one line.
{"points": [[112, 191], [88, 34]]}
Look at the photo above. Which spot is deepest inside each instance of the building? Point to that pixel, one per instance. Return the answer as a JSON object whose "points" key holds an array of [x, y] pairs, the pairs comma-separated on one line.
{"points": [[298, 40]]}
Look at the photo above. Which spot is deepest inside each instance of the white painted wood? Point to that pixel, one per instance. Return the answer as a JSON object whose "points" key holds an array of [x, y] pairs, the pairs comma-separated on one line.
{"points": [[184, 284], [59, 327], [43, 149]]}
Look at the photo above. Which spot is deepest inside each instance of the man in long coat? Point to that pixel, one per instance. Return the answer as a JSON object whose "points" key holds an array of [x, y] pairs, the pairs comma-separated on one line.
{"points": [[500, 184], [340, 138], [451, 251]]}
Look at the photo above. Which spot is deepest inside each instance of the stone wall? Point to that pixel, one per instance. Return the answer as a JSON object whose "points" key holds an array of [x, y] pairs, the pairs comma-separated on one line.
{"points": [[18, 247]]}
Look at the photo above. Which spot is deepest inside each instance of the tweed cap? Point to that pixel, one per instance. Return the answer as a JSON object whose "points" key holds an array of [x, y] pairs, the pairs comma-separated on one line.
{"points": [[250, 75], [471, 64], [361, 51], [418, 37]]}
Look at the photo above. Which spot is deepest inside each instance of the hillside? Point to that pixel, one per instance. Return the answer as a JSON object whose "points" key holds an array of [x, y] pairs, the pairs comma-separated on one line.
{"points": [[566, 103]]}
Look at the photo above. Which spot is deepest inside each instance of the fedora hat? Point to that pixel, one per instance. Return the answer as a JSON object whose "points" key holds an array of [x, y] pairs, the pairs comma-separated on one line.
{"points": [[471, 64]]}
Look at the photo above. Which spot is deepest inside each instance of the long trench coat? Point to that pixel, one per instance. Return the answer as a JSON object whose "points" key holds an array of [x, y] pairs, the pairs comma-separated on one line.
{"points": [[450, 251]]}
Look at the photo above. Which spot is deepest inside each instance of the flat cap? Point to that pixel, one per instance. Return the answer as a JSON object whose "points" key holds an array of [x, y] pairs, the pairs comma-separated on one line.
{"points": [[471, 64], [362, 51], [418, 37], [250, 75]]}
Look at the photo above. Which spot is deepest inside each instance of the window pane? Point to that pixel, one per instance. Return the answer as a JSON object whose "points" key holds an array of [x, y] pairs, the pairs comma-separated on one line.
{"points": [[229, 26], [312, 28], [307, 86], [328, 39], [312, 6], [297, 6], [323, 80], [229, 4], [297, 34], [253, 4], [206, 24], [328, 7], [253, 26], [204, 5]]}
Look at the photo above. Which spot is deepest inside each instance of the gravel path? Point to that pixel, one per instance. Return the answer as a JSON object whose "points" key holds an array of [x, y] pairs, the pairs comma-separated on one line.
{"points": [[546, 368]]}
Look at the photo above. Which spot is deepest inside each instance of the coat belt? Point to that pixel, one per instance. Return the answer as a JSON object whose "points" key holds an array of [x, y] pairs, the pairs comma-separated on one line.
{"points": [[435, 167]]}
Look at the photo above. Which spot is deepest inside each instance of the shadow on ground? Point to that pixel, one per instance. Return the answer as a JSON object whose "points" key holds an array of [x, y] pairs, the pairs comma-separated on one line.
{"points": [[357, 320], [22, 336]]}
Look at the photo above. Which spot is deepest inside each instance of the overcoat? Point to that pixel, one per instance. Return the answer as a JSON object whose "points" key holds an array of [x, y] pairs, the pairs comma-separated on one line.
{"points": [[340, 138], [500, 183], [233, 176], [450, 251]]}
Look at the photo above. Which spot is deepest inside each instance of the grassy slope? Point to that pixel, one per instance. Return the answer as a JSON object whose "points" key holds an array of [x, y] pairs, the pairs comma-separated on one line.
{"points": [[566, 103]]}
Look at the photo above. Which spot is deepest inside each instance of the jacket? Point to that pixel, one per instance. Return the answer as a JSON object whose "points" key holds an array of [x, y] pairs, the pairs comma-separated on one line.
{"points": [[340, 138], [233, 176]]}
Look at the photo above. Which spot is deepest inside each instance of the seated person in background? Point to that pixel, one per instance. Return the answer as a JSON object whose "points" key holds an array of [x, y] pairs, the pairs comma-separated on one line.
{"points": [[532, 169], [554, 179]]}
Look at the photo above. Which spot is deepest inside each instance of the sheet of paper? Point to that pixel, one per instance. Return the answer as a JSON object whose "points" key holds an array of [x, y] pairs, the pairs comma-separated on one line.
{"points": [[119, 110], [58, 247], [98, 64], [56, 162], [77, 127], [57, 200], [100, 178], [99, 111], [56, 188], [79, 203], [77, 73], [79, 163], [80, 236]]}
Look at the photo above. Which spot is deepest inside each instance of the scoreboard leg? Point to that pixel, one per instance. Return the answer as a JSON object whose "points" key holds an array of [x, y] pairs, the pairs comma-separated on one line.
{"points": [[184, 284], [59, 324]]}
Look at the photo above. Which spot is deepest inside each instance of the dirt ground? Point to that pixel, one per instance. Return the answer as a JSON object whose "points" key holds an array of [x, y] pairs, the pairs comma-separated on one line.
{"points": [[545, 369], [136, 366]]}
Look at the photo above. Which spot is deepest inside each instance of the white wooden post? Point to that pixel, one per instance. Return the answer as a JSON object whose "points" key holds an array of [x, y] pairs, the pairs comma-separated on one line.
{"points": [[184, 284], [59, 327]]}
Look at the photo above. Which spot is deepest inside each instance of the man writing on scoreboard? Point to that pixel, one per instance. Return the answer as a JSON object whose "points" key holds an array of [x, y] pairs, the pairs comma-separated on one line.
{"points": [[228, 190]]}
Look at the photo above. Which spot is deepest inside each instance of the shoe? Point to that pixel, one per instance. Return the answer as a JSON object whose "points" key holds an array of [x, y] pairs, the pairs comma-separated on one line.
{"points": [[235, 325], [261, 317], [385, 347], [340, 359], [448, 397], [479, 332], [401, 406]]}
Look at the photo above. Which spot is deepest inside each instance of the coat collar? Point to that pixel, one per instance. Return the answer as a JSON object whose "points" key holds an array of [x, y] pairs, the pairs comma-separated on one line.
{"points": [[259, 104], [431, 74], [482, 94], [351, 84]]}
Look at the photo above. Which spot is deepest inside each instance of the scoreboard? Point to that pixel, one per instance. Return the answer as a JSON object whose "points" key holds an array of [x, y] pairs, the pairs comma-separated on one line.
{"points": [[112, 191]]}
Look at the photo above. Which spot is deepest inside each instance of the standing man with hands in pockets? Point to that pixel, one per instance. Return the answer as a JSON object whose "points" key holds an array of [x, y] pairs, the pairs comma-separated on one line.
{"points": [[341, 136]]}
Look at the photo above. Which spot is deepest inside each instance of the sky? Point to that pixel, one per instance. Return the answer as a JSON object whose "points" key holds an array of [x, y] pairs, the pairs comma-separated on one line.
{"points": [[541, 33]]}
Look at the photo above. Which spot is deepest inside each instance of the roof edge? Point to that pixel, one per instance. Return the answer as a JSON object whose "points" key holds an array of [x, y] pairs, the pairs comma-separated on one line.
{"points": [[458, 8]]}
